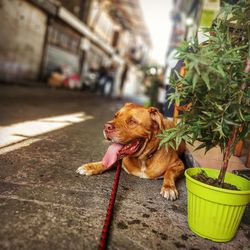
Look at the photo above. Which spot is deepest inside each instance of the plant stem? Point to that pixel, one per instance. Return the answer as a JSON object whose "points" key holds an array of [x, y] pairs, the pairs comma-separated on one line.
{"points": [[228, 152], [226, 156]]}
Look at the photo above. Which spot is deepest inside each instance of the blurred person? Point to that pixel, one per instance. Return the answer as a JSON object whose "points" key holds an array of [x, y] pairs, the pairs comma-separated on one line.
{"points": [[107, 82], [157, 92], [100, 81], [174, 65], [123, 79], [177, 66]]}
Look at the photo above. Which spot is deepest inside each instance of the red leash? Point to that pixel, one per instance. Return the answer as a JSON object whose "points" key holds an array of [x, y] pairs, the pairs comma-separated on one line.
{"points": [[105, 229]]}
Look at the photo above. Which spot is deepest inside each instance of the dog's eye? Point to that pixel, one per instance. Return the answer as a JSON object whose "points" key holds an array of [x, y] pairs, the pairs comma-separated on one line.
{"points": [[131, 121], [116, 114]]}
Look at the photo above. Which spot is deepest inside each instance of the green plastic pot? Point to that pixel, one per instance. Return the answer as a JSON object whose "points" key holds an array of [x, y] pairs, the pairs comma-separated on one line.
{"points": [[215, 213]]}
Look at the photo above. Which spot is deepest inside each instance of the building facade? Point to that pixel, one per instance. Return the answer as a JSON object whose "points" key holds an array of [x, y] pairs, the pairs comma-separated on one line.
{"points": [[39, 36]]}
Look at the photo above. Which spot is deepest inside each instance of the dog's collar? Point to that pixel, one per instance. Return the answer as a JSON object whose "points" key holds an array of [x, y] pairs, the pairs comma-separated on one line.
{"points": [[151, 154], [148, 155]]}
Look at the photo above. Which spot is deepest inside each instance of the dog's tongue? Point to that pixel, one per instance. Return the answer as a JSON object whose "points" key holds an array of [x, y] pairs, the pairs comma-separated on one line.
{"points": [[111, 156]]}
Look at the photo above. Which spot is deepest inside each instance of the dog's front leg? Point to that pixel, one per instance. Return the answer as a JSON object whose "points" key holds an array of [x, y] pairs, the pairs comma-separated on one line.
{"points": [[169, 190], [91, 168]]}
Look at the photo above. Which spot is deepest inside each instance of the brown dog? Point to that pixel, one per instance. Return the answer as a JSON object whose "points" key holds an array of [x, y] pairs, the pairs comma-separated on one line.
{"points": [[133, 133]]}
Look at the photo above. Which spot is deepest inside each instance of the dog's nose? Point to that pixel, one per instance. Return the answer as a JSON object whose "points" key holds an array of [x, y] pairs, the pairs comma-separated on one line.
{"points": [[109, 126]]}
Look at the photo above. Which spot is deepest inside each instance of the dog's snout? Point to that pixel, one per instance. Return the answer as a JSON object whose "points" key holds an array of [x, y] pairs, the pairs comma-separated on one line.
{"points": [[109, 126]]}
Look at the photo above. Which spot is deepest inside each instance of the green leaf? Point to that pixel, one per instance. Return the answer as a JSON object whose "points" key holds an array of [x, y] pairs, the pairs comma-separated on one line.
{"points": [[231, 122], [209, 114], [171, 144], [205, 78], [197, 69], [219, 107], [195, 80], [247, 118], [201, 146], [221, 71], [178, 141]]}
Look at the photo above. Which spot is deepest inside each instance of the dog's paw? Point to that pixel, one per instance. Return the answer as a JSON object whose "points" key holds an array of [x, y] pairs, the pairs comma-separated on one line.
{"points": [[91, 168], [169, 193], [84, 170]]}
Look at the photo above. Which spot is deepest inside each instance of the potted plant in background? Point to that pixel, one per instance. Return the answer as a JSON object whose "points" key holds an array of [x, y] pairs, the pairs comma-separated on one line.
{"points": [[216, 87]]}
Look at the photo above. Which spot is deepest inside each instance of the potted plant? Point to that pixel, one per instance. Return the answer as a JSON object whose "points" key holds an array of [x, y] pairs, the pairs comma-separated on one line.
{"points": [[216, 90]]}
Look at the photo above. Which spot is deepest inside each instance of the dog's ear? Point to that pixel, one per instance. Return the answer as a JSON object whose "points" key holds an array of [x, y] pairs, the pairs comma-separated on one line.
{"points": [[132, 105], [157, 118]]}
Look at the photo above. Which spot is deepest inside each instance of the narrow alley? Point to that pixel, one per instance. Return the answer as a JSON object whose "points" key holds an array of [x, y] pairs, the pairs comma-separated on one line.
{"points": [[45, 204]]}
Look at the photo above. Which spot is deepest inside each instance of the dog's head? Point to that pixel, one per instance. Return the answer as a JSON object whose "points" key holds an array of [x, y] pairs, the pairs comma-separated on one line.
{"points": [[131, 130]]}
